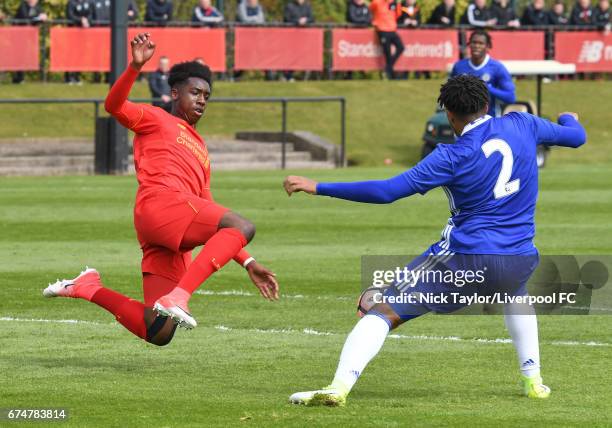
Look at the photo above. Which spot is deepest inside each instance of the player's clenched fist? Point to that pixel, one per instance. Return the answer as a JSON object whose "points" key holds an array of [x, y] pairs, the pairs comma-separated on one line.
{"points": [[143, 49], [295, 183]]}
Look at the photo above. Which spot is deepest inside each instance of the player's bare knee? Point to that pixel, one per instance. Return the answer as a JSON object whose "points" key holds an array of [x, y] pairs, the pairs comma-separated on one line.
{"points": [[388, 313], [235, 221], [248, 230]]}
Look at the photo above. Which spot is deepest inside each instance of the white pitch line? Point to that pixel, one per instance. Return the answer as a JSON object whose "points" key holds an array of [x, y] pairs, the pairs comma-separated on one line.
{"points": [[313, 332], [310, 331], [241, 293]]}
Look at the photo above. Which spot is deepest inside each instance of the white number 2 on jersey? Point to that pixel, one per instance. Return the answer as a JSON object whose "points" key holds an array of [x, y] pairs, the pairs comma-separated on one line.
{"points": [[503, 187]]}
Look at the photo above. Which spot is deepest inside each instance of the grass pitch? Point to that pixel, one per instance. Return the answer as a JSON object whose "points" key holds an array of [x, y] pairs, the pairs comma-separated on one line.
{"points": [[247, 355]]}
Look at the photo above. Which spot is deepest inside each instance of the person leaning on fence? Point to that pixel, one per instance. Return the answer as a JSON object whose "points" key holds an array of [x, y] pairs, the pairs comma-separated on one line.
{"points": [[206, 14], [557, 15], [582, 13], [410, 14], [504, 13], [159, 86], [478, 14], [159, 12], [29, 12], [384, 19], [443, 14], [357, 13], [79, 13], [534, 14], [298, 13], [250, 12], [601, 15]]}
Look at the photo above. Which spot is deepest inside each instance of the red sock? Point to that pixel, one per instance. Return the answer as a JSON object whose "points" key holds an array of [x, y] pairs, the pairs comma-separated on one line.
{"points": [[129, 312], [218, 250]]}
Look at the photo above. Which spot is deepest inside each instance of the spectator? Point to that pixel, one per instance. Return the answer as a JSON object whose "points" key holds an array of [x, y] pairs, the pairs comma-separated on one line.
{"points": [[557, 16], [410, 14], [251, 12], [159, 12], [384, 18], [205, 13], [30, 13], [298, 12], [504, 13], [443, 14], [79, 13], [478, 14], [358, 13], [582, 14], [601, 15], [158, 85], [102, 11], [535, 14]]}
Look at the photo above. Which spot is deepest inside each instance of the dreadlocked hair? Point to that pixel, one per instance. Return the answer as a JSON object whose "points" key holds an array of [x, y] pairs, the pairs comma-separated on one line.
{"points": [[182, 71], [464, 95]]}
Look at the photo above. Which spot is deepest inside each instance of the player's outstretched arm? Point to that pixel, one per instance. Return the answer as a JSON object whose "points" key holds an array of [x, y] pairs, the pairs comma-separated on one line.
{"points": [[116, 102], [373, 192], [567, 133], [264, 279]]}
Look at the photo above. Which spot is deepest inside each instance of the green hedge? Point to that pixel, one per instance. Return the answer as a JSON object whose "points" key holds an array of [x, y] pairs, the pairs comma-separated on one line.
{"points": [[325, 10]]}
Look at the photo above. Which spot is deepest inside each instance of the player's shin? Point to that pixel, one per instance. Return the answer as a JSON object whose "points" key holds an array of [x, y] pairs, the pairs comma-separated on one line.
{"points": [[522, 324], [362, 344]]}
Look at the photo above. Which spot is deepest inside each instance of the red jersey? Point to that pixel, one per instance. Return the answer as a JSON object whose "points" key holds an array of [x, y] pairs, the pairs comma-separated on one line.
{"points": [[168, 152], [385, 14]]}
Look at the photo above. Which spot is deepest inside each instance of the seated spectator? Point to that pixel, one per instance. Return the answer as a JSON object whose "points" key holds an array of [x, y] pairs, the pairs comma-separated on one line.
{"points": [[79, 13], [582, 14], [443, 14], [358, 13], [159, 12], [158, 84], [504, 13], [478, 14], [30, 13], [601, 15], [132, 10], [557, 16], [298, 12], [535, 14], [205, 13], [410, 15], [250, 12]]}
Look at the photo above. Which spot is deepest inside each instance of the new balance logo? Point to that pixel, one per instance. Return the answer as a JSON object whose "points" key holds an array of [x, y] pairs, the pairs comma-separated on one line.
{"points": [[528, 363], [591, 51]]}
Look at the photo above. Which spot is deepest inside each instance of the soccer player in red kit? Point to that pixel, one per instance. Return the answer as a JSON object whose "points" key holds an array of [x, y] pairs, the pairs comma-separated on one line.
{"points": [[174, 210]]}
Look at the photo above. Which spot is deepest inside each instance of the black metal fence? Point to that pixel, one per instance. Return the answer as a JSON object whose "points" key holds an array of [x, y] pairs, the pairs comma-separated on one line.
{"points": [[283, 101]]}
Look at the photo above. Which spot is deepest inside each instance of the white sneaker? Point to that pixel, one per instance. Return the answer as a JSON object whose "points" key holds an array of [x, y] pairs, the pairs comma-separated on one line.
{"points": [[327, 396]]}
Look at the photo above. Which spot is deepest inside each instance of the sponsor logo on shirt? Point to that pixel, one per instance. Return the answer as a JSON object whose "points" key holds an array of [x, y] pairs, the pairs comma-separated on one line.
{"points": [[194, 147]]}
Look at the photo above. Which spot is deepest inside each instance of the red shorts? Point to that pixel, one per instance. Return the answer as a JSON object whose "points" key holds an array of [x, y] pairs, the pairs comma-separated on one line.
{"points": [[162, 219]]}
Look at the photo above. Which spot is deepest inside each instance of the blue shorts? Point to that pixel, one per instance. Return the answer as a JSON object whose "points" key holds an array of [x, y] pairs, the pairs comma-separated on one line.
{"points": [[443, 282]]}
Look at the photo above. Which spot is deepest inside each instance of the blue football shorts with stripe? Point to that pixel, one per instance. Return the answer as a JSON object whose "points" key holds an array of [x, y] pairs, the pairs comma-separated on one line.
{"points": [[443, 282]]}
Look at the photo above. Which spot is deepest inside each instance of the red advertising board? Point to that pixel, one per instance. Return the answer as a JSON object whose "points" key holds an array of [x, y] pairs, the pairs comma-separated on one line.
{"points": [[19, 48], [278, 49], [589, 50], [358, 49], [517, 45], [88, 49]]}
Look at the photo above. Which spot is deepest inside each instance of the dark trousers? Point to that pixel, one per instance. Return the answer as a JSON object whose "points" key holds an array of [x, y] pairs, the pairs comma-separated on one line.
{"points": [[388, 38]]}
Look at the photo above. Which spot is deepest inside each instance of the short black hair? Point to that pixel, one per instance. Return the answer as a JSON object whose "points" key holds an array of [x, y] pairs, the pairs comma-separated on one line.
{"points": [[464, 95], [182, 71], [486, 35]]}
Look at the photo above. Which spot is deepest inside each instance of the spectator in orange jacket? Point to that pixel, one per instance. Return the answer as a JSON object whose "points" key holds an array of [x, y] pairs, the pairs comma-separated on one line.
{"points": [[384, 19]]}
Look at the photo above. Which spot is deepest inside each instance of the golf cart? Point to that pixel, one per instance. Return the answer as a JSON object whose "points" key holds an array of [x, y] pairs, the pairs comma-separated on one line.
{"points": [[438, 130]]}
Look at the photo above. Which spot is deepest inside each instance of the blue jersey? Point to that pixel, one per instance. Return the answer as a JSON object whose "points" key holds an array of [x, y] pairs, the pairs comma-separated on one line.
{"points": [[497, 78], [490, 177]]}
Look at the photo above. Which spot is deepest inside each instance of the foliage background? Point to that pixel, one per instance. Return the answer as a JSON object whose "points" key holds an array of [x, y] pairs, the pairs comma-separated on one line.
{"points": [[332, 11]]}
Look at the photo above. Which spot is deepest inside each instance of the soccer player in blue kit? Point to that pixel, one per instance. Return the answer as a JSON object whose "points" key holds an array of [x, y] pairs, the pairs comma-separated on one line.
{"points": [[492, 72], [490, 177]]}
